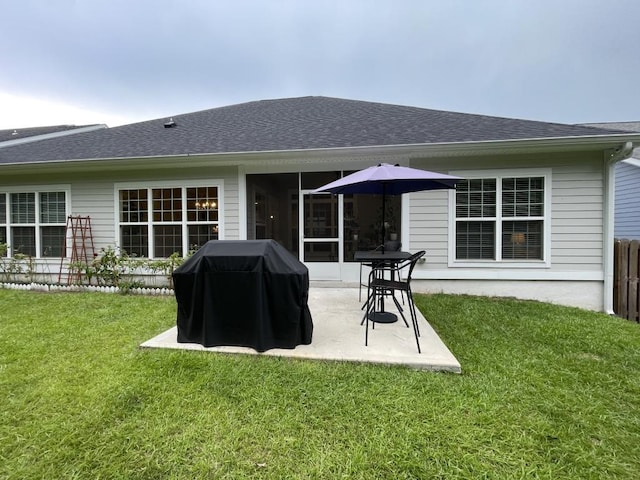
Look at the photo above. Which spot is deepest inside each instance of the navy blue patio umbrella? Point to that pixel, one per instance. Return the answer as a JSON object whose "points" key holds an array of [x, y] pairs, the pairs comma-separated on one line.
{"points": [[387, 179]]}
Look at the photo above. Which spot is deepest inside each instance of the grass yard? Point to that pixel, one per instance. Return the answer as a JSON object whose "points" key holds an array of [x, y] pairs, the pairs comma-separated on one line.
{"points": [[546, 392]]}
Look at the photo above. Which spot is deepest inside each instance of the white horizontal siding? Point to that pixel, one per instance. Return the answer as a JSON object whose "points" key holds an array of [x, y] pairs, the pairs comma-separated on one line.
{"points": [[231, 204], [582, 294], [577, 215], [429, 224], [97, 198], [576, 221]]}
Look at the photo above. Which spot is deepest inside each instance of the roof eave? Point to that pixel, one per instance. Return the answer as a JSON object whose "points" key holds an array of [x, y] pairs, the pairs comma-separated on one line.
{"points": [[446, 149]]}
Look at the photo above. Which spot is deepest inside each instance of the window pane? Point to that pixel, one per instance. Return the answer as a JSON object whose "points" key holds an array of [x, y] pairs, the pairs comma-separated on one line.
{"points": [[462, 203], [320, 216], [167, 240], [23, 208], [134, 240], [522, 240], [523, 197], [3, 238], [23, 240], [476, 198], [475, 240], [167, 204], [508, 184], [313, 180], [201, 234], [133, 205], [3, 208], [52, 241], [202, 204], [52, 207], [536, 183], [321, 252], [489, 202], [536, 201], [272, 201], [363, 222]]}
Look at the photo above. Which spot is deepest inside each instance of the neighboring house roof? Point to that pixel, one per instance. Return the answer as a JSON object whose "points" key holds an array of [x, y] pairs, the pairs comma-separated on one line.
{"points": [[16, 136], [13, 133], [628, 127], [305, 123]]}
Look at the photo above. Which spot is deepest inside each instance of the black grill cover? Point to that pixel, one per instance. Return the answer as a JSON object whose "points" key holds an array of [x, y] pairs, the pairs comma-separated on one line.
{"points": [[249, 293]]}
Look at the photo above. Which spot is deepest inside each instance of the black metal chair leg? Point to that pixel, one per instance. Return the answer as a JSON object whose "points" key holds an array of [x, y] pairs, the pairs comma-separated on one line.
{"points": [[395, 300], [371, 309], [414, 320], [366, 328], [360, 287], [413, 306]]}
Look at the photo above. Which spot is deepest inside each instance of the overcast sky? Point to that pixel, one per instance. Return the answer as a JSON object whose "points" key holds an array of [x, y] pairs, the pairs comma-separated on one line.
{"points": [[122, 61]]}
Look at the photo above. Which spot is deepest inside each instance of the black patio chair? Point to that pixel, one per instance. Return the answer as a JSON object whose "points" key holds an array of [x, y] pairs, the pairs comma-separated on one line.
{"points": [[389, 246], [399, 280]]}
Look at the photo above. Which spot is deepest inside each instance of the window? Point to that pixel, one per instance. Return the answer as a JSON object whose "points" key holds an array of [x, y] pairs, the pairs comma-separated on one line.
{"points": [[500, 219], [33, 223], [159, 221]]}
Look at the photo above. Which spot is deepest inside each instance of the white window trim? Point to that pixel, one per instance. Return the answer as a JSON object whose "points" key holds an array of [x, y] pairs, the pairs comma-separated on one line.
{"points": [[183, 184], [37, 190], [498, 174]]}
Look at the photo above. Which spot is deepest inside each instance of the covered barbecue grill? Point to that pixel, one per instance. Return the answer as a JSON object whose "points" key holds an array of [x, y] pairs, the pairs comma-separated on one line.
{"points": [[249, 293]]}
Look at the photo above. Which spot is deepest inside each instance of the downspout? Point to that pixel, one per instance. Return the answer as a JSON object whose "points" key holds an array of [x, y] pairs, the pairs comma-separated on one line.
{"points": [[611, 158]]}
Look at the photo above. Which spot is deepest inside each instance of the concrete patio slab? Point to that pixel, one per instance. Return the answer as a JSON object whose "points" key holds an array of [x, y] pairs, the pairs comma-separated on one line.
{"points": [[338, 336]]}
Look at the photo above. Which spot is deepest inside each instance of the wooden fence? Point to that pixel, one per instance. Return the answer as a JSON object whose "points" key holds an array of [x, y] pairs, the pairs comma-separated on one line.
{"points": [[625, 279]]}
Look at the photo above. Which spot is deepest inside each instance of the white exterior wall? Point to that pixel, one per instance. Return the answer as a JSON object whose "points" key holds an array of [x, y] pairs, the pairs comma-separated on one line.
{"points": [[94, 195], [577, 231], [97, 198], [573, 276], [582, 294], [575, 273]]}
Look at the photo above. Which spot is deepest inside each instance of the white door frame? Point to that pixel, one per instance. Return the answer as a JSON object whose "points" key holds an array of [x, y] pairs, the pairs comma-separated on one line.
{"points": [[321, 270]]}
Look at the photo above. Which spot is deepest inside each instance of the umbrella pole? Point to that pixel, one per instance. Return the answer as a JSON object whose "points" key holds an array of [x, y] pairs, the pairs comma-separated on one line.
{"points": [[384, 196]]}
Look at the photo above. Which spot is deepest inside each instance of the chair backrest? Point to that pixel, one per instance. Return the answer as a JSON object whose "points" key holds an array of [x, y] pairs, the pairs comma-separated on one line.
{"points": [[412, 261]]}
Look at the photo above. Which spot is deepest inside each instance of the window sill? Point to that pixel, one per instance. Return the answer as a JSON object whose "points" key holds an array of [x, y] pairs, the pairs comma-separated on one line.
{"points": [[503, 264]]}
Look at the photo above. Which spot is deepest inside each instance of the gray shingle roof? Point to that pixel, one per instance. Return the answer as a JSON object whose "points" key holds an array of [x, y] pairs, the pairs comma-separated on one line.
{"points": [[626, 126], [18, 133], [289, 124]]}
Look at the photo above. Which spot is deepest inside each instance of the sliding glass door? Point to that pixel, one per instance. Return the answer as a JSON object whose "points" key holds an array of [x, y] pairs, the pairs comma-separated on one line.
{"points": [[322, 230]]}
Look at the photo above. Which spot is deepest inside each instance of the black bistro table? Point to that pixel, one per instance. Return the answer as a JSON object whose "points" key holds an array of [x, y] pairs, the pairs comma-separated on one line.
{"points": [[379, 258]]}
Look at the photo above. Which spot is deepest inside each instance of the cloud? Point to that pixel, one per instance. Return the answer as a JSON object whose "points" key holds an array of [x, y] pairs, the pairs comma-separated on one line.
{"points": [[559, 61], [23, 112]]}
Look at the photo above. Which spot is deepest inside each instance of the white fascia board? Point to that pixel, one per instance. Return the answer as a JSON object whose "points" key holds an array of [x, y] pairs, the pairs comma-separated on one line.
{"points": [[326, 154], [48, 136], [450, 149]]}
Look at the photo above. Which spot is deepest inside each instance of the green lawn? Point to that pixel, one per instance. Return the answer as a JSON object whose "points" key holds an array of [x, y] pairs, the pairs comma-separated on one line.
{"points": [[546, 392]]}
